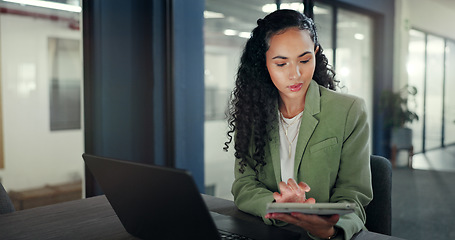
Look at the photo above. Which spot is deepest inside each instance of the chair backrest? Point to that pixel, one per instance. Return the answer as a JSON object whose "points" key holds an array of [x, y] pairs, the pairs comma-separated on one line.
{"points": [[379, 211], [6, 206]]}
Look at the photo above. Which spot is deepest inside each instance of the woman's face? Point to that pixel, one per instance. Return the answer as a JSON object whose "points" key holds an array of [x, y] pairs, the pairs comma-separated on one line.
{"points": [[291, 61]]}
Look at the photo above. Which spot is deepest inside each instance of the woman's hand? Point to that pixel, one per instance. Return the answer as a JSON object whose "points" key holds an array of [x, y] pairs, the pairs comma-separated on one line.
{"points": [[293, 192], [319, 226]]}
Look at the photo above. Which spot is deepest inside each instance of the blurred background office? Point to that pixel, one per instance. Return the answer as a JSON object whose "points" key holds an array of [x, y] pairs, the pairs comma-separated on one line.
{"points": [[188, 51]]}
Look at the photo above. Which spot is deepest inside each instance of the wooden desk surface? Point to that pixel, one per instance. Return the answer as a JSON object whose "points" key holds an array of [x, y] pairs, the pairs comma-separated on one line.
{"points": [[94, 218]]}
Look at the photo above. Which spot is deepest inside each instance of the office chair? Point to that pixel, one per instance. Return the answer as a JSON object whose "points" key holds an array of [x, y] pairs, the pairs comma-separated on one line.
{"points": [[6, 206], [379, 211]]}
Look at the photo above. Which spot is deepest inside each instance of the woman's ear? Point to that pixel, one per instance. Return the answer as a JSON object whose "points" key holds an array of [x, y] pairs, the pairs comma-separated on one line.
{"points": [[316, 49]]}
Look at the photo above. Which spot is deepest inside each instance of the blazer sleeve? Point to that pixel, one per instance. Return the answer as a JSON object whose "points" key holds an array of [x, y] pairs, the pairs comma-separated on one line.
{"points": [[251, 195], [354, 177]]}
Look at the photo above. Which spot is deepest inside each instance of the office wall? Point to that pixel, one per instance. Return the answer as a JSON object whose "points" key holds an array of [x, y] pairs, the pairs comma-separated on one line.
{"points": [[432, 17], [34, 156]]}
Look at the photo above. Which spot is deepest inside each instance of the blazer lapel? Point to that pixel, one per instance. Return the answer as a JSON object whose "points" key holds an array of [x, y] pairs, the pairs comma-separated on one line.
{"points": [[307, 127], [308, 123]]}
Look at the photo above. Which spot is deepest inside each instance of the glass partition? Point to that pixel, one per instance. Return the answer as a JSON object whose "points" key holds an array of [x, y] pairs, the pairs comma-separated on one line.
{"points": [[416, 77], [323, 19], [41, 82], [449, 136], [354, 56], [429, 69], [434, 82], [228, 25]]}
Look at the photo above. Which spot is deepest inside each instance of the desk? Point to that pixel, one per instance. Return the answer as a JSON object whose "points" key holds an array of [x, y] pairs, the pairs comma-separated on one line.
{"points": [[227, 207], [94, 218]]}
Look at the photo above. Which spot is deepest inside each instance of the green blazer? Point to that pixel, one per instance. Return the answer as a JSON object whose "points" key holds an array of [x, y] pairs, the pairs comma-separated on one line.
{"points": [[332, 157]]}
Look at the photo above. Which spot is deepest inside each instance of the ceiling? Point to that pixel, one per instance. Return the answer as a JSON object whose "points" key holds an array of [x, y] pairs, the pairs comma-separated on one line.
{"points": [[446, 3], [15, 8], [70, 2]]}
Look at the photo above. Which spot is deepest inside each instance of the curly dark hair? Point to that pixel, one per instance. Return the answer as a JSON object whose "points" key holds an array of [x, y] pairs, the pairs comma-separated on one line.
{"points": [[253, 101]]}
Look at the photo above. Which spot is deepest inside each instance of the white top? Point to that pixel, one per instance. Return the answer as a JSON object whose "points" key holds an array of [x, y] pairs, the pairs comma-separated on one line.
{"points": [[292, 125]]}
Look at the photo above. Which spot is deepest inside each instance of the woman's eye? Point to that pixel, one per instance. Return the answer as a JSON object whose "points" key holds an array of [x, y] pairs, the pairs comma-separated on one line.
{"points": [[281, 64], [305, 61]]}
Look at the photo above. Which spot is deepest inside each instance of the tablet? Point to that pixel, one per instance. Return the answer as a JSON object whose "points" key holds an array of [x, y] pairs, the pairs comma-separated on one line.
{"points": [[308, 208]]}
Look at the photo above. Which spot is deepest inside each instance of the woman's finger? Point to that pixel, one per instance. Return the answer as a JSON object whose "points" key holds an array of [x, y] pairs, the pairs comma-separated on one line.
{"points": [[285, 218], [292, 184], [284, 188], [276, 196], [310, 201], [304, 187]]}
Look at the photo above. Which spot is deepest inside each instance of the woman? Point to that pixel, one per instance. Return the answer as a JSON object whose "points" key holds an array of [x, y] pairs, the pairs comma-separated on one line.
{"points": [[292, 127]]}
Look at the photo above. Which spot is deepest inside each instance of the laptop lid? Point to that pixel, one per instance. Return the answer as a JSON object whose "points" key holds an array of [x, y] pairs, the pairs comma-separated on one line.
{"points": [[152, 201]]}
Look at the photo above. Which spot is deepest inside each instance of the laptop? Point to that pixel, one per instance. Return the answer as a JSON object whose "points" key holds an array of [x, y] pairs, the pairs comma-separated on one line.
{"points": [[154, 202]]}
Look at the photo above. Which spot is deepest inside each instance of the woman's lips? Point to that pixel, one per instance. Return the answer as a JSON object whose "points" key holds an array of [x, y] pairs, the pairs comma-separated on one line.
{"points": [[296, 87]]}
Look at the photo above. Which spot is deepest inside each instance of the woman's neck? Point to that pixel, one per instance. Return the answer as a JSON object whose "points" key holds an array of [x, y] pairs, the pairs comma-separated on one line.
{"points": [[290, 109]]}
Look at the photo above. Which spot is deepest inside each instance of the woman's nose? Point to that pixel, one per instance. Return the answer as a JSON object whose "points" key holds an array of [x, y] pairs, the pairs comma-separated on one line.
{"points": [[294, 72]]}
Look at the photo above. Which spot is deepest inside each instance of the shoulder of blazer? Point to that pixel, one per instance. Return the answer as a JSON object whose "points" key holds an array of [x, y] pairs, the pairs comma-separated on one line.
{"points": [[338, 99]]}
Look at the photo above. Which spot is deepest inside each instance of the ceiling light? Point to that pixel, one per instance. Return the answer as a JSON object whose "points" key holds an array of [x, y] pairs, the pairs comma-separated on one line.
{"points": [[210, 14], [230, 32], [46, 4], [244, 34], [295, 6], [359, 36], [268, 8]]}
